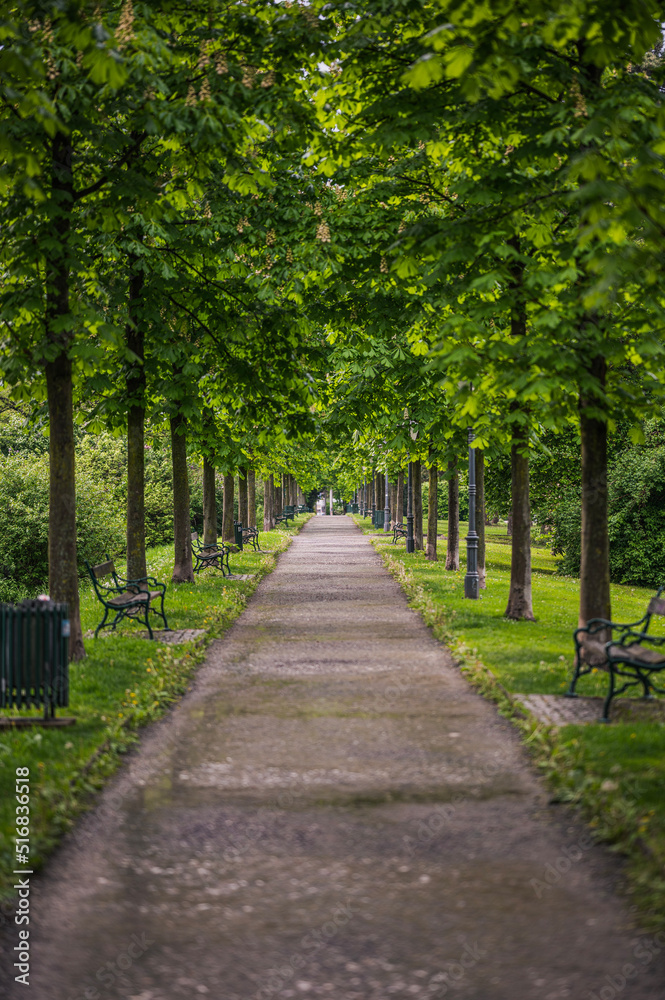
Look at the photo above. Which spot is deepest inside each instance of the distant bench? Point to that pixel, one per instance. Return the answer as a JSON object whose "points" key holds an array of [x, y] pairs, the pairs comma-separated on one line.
{"points": [[283, 518]]}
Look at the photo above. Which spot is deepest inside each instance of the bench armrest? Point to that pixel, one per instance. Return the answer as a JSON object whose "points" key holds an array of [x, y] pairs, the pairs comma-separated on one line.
{"points": [[128, 585], [106, 589]]}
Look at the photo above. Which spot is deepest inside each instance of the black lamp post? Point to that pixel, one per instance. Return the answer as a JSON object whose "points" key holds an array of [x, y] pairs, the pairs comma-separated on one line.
{"points": [[471, 580], [410, 541]]}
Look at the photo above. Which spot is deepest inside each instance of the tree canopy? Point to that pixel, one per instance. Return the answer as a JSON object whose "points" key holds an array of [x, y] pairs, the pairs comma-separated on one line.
{"points": [[326, 239]]}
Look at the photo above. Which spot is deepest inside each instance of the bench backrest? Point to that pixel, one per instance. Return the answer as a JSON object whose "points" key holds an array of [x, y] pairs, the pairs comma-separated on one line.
{"points": [[97, 574], [656, 607], [103, 569]]}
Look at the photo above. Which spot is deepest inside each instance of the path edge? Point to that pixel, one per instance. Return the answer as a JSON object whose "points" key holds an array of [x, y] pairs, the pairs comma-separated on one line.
{"points": [[606, 812], [82, 792]]}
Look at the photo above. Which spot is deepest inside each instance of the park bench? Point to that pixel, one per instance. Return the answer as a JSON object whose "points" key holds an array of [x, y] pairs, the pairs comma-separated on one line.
{"points": [[283, 518], [251, 535], [399, 531], [126, 598], [209, 555], [633, 656]]}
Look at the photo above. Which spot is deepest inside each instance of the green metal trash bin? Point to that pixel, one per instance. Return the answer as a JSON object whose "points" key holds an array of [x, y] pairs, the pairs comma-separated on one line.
{"points": [[34, 655], [237, 533], [378, 520]]}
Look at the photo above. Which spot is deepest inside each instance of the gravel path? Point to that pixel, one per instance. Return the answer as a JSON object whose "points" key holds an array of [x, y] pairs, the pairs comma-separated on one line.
{"points": [[332, 812]]}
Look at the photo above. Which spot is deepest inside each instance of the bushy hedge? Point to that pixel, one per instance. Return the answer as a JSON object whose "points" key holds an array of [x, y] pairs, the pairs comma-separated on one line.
{"points": [[101, 503], [24, 492], [442, 500], [636, 483]]}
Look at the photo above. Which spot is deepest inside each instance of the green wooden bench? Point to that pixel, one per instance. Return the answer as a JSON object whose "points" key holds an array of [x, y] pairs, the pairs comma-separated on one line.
{"points": [[210, 555], [632, 657], [126, 598]]}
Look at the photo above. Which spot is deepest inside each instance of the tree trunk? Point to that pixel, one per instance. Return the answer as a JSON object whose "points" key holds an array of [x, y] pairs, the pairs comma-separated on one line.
{"points": [[431, 513], [242, 496], [62, 554], [136, 564], [519, 597], [595, 563], [418, 505], [480, 515], [452, 548], [277, 501], [399, 515], [509, 525], [63, 568], [268, 516], [209, 503], [182, 542], [251, 498], [228, 534], [393, 503]]}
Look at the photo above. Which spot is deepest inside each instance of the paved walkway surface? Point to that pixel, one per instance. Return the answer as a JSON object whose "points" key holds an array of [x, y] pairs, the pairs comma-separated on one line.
{"points": [[332, 812]]}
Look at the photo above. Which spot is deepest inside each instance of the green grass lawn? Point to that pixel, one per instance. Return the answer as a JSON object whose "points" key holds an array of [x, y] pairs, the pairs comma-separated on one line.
{"points": [[617, 771], [123, 682]]}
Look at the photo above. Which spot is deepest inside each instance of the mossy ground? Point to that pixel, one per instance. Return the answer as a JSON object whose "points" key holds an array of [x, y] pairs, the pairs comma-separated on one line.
{"points": [[615, 772], [123, 683]]}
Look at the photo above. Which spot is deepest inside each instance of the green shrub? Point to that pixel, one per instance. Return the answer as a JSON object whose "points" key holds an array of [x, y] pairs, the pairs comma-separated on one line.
{"points": [[566, 542], [24, 494], [101, 501], [637, 517], [442, 500], [19, 437], [636, 484]]}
